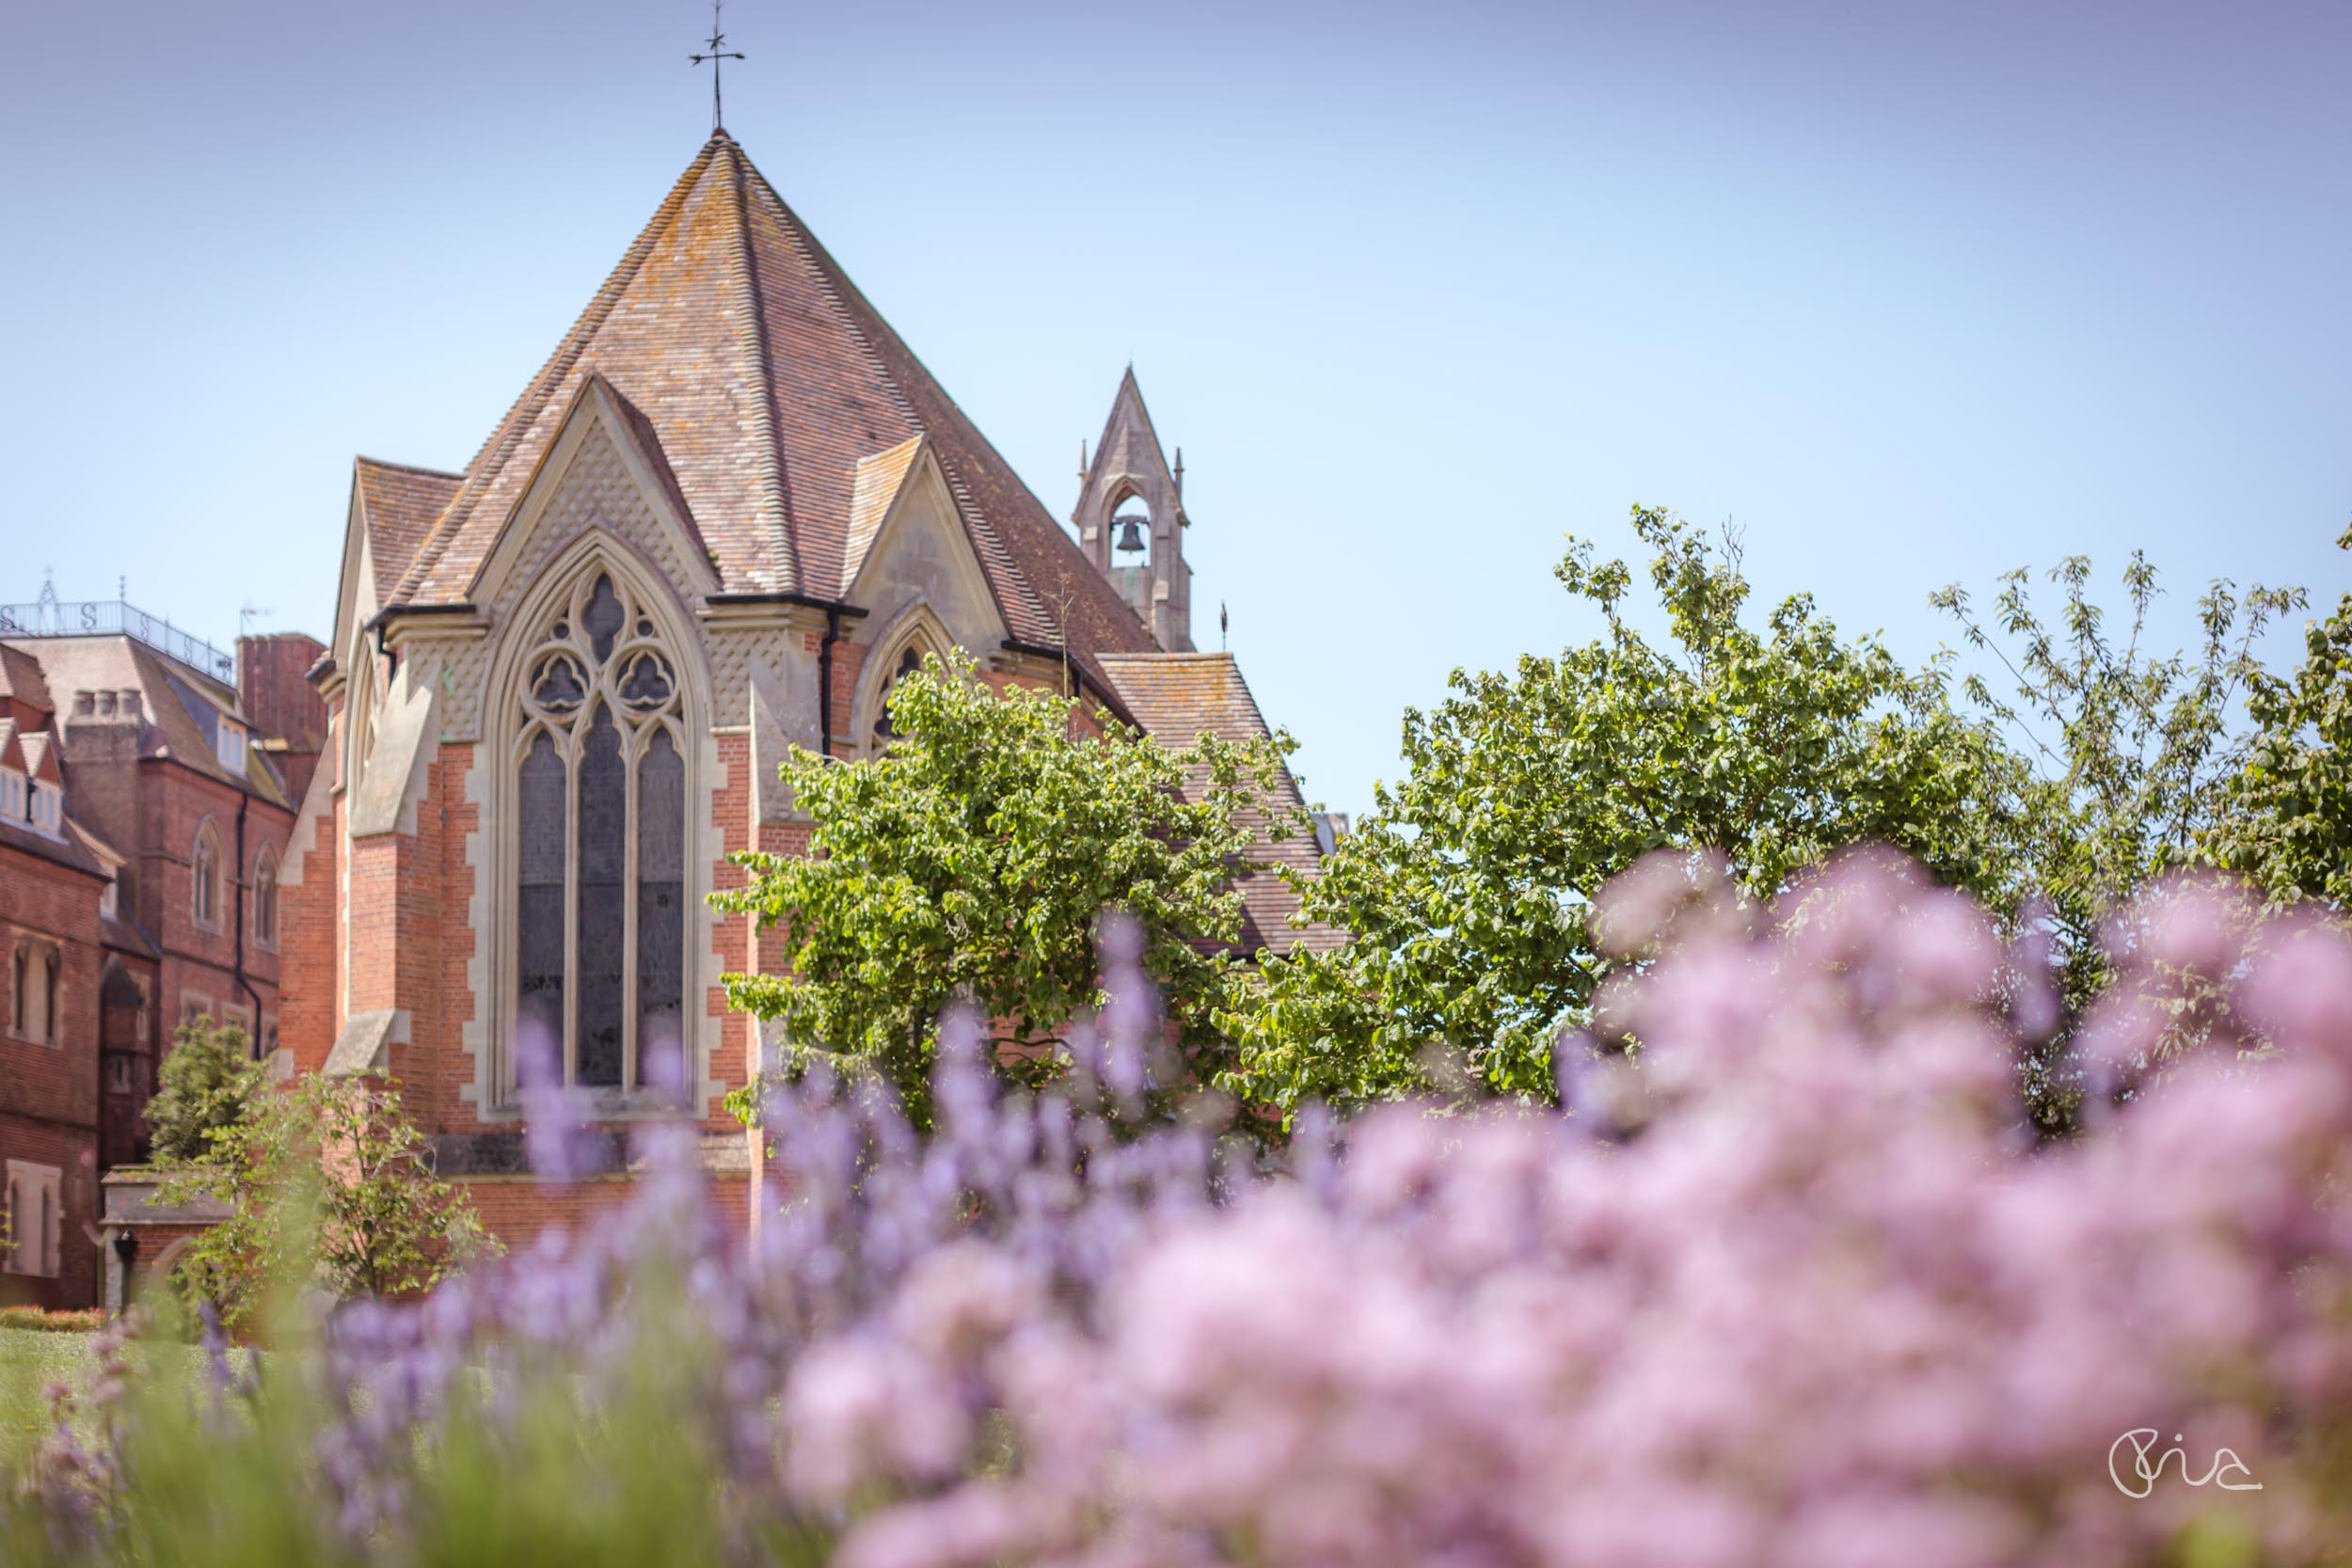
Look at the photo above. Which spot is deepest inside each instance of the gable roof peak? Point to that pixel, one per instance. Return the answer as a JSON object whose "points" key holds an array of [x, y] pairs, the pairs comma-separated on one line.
{"points": [[761, 375]]}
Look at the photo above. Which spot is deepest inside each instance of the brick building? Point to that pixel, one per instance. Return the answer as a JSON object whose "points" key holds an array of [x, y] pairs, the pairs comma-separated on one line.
{"points": [[142, 826], [54, 880], [726, 514]]}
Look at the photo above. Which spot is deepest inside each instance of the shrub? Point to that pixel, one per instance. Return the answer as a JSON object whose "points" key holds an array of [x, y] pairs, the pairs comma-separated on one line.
{"points": [[204, 1086], [42, 1321], [329, 1190]]}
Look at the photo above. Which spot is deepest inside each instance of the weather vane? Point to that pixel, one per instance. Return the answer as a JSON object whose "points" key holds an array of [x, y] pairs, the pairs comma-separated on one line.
{"points": [[717, 40]]}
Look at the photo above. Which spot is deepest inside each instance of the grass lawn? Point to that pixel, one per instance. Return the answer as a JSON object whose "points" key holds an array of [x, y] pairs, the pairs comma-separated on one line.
{"points": [[30, 1361]]}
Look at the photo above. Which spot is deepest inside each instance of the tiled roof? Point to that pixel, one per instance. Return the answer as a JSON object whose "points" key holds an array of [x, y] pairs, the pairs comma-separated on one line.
{"points": [[876, 486], [764, 378], [1178, 697], [21, 678], [400, 504]]}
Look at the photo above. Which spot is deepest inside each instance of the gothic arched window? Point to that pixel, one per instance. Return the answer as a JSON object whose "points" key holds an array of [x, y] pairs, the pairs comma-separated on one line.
{"points": [[204, 865], [599, 910], [265, 897], [910, 661]]}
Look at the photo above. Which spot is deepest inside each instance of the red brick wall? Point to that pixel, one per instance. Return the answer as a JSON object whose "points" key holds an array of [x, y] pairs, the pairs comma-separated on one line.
{"points": [[516, 1208], [49, 1093], [307, 950], [73, 1150], [275, 691], [200, 962], [154, 1247], [730, 943]]}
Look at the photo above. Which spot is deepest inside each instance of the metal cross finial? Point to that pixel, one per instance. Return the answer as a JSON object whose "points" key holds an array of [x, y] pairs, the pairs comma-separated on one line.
{"points": [[717, 54]]}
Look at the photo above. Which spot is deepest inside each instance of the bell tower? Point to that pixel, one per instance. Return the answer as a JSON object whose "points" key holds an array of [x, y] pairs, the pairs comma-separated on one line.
{"points": [[1130, 519]]}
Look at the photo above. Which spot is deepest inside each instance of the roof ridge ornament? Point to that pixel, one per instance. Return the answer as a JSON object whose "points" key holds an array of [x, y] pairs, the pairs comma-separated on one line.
{"points": [[716, 43]]}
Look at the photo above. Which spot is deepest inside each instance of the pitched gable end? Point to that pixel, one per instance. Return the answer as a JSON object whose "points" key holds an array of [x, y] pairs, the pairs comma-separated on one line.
{"points": [[607, 459]]}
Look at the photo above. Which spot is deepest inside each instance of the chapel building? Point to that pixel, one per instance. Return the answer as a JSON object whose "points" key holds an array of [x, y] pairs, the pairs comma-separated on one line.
{"points": [[728, 514]]}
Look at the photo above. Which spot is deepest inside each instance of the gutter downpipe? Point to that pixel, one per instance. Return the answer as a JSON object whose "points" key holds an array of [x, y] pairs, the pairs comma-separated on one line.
{"points": [[824, 679]]}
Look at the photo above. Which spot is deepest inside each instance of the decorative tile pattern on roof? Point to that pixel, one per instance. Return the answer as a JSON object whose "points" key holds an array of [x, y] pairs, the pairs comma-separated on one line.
{"points": [[1178, 697], [765, 378]]}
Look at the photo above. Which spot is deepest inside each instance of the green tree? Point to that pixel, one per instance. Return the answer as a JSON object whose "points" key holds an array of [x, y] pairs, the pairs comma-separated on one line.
{"points": [[330, 1186], [205, 1084], [2134, 760], [2286, 820], [1469, 888], [972, 862]]}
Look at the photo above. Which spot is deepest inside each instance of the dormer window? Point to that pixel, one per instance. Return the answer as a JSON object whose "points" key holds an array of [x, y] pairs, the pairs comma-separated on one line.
{"points": [[110, 902], [48, 809], [12, 803], [230, 746]]}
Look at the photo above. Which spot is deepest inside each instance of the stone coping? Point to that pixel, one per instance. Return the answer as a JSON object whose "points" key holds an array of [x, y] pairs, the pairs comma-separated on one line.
{"points": [[129, 1191]]}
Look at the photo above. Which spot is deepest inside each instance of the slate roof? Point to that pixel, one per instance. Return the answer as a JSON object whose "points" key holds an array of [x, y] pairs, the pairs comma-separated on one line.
{"points": [[763, 379], [1178, 697], [175, 701], [68, 849]]}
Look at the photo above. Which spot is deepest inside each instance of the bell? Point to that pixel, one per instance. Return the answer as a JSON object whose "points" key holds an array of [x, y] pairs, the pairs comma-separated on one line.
{"points": [[1130, 535]]}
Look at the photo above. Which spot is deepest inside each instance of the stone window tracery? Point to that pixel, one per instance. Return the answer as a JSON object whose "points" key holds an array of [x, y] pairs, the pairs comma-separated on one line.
{"points": [[32, 1215], [34, 974], [600, 910], [266, 898], [204, 867]]}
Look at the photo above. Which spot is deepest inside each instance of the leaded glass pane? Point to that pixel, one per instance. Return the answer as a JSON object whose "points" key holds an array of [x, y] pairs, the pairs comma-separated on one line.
{"points": [[539, 915], [603, 869], [602, 619], [660, 914]]}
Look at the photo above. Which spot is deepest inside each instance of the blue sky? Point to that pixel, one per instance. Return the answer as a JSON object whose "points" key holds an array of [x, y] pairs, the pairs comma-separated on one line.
{"points": [[1911, 294]]}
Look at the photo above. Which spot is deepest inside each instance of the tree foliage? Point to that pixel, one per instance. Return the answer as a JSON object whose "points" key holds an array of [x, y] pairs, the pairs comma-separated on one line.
{"points": [[1469, 891], [204, 1088], [2286, 821], [2131, 758], [332, 1188], [972, 862]]}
